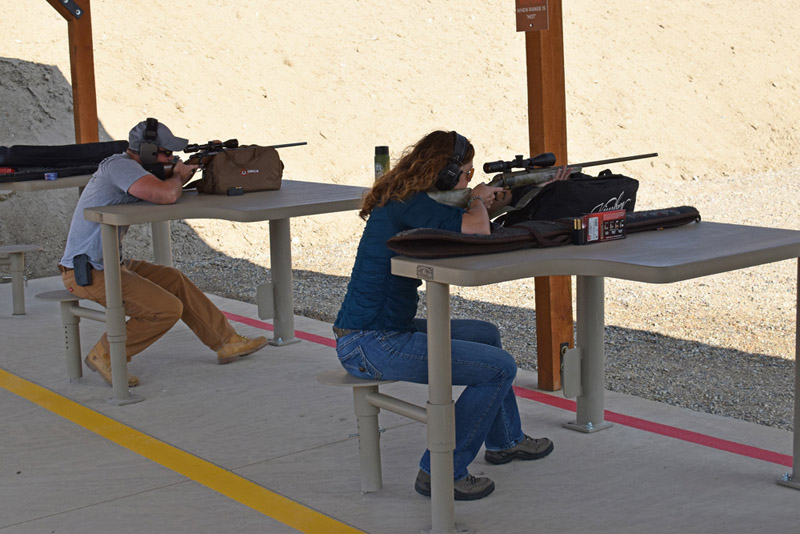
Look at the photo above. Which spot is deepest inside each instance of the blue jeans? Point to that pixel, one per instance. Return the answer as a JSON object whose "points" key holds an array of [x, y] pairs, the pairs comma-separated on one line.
{"points": [[486, 411]]}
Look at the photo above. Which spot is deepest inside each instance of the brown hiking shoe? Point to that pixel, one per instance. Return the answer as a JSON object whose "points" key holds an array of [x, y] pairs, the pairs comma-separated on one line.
{"points": [[527, 449], [239, 346], [101, 363], [469, 488]]}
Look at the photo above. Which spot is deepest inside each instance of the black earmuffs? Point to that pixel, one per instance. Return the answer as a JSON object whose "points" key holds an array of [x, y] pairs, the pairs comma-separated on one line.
{"points": [[448, 177], [148, 150]]}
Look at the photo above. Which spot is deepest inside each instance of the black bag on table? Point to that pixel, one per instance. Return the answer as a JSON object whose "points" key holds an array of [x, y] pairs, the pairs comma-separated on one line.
{"points": [[31, 162], [579, 195]]}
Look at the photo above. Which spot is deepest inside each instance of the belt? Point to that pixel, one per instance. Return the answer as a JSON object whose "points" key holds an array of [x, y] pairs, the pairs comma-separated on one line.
{"points": [[64, 269], [341, 332]]}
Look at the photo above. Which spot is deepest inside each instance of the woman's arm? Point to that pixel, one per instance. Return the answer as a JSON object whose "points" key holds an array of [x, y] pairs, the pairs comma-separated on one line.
{"points": [[476, 219], [485, 199]]}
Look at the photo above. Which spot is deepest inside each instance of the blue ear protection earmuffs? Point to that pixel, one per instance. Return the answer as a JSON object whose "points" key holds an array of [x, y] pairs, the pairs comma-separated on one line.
{"points": [[448, 177], [148, 150]]}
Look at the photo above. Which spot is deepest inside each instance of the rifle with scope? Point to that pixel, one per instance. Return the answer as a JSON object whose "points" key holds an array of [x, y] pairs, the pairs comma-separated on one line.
{"points": [[537, 171], [202, 154]]}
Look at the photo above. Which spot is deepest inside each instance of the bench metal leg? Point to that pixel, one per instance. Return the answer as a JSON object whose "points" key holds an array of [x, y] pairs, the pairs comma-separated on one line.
{"points": [[590, 413], [369, 447], [441, 409], [280, 254], [792, 479], [72, 340], [162, 243], [16, 262], [115, 318]]}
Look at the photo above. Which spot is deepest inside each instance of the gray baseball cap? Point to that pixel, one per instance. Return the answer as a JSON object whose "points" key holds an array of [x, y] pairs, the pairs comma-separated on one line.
{"points": [[164, 138]]}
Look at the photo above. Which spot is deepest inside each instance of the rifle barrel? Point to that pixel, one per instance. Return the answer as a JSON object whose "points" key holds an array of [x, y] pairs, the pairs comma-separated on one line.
{"points": [[614, 160], [194, 148], [288, 144]]}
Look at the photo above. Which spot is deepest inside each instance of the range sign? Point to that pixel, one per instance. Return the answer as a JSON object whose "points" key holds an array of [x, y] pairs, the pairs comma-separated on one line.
{"points": [[532, 15]]}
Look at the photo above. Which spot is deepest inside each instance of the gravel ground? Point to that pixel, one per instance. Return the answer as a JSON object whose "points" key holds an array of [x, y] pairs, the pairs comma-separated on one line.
{"points": [[722, 344]]}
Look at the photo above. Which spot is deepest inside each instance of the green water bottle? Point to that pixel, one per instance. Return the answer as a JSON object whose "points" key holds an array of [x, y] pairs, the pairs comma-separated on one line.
{"points": [[381, 160]]}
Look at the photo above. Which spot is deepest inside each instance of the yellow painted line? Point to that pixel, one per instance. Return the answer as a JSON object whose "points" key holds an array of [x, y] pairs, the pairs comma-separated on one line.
{"points": [[221, 480]]}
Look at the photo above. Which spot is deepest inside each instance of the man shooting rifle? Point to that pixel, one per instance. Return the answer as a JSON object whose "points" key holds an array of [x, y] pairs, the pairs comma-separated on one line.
{"points": [[155, 296]]}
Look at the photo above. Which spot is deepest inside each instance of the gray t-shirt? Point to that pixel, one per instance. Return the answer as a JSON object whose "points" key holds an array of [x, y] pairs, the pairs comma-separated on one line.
{"points": [[108, 186]]}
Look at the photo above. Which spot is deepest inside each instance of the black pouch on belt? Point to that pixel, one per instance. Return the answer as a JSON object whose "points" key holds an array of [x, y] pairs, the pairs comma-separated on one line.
{"points": [[83, 270]]}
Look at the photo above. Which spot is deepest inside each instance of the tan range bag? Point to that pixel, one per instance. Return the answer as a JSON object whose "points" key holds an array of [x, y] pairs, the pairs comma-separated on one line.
{"points": [[242, 170]]}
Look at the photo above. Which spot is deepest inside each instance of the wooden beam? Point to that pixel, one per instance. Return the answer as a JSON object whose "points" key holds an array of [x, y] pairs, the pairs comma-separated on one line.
{"points": [[547, 119], [81, 59], [547, 101]]}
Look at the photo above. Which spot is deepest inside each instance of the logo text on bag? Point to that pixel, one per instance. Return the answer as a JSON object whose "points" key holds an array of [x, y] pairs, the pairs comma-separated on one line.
{"points": [[612, 204], [245, 172]]}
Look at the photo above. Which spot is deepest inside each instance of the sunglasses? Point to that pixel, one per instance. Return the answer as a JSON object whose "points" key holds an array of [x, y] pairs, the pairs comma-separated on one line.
{"points": [[469, 173], [167, 153]]}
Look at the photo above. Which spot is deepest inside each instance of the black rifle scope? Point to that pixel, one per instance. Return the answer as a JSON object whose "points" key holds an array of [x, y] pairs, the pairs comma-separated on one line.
{"points": [[212, 146], [546, 159]]}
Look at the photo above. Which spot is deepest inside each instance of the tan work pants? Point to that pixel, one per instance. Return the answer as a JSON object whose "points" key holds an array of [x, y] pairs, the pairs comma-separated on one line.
{"points": [[154, 298]]}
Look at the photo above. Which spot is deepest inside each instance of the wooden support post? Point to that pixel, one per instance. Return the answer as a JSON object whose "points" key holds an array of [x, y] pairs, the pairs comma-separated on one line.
{"points": [[81, 58], [547, 118]]}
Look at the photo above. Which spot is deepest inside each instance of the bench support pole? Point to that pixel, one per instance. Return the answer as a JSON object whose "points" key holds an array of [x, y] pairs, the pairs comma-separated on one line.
{"points": [[72, 339], [792, 479], [280, 259], [590, 414], [162, 243], [17, 268], [369, 446], [115, 319], [441, 409]]}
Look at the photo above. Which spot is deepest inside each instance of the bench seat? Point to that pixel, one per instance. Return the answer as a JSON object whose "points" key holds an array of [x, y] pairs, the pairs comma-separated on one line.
{"points": [[368, 400]]}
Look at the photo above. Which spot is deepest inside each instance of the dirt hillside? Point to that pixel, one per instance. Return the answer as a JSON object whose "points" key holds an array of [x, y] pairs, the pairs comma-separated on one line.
{"points": [[711, 86]]}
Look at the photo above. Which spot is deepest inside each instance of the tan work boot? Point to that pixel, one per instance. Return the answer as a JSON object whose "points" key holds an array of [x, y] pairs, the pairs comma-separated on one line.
{"points": [[239, 346], [101, 363]]}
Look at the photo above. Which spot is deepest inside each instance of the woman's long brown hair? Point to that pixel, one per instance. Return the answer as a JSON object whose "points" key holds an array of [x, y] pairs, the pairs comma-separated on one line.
{"points": [[416, 170]]}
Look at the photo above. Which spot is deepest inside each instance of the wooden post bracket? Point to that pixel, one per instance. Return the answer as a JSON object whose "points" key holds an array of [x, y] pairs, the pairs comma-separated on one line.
{"points": [[71, 7]]}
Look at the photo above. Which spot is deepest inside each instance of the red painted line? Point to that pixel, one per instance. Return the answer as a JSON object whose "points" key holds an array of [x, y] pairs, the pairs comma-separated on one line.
{"points": [[570, 405], [266, 326], [664, 430]]}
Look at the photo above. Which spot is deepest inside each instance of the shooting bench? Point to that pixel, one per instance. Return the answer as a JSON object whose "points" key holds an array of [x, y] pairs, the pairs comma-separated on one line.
{"points": [[368, 401], [15, 261], [71, 314]]}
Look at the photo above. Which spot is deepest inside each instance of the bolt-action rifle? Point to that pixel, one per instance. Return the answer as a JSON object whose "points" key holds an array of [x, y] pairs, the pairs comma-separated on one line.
{"points": [[536, 171], [202, 154]]}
